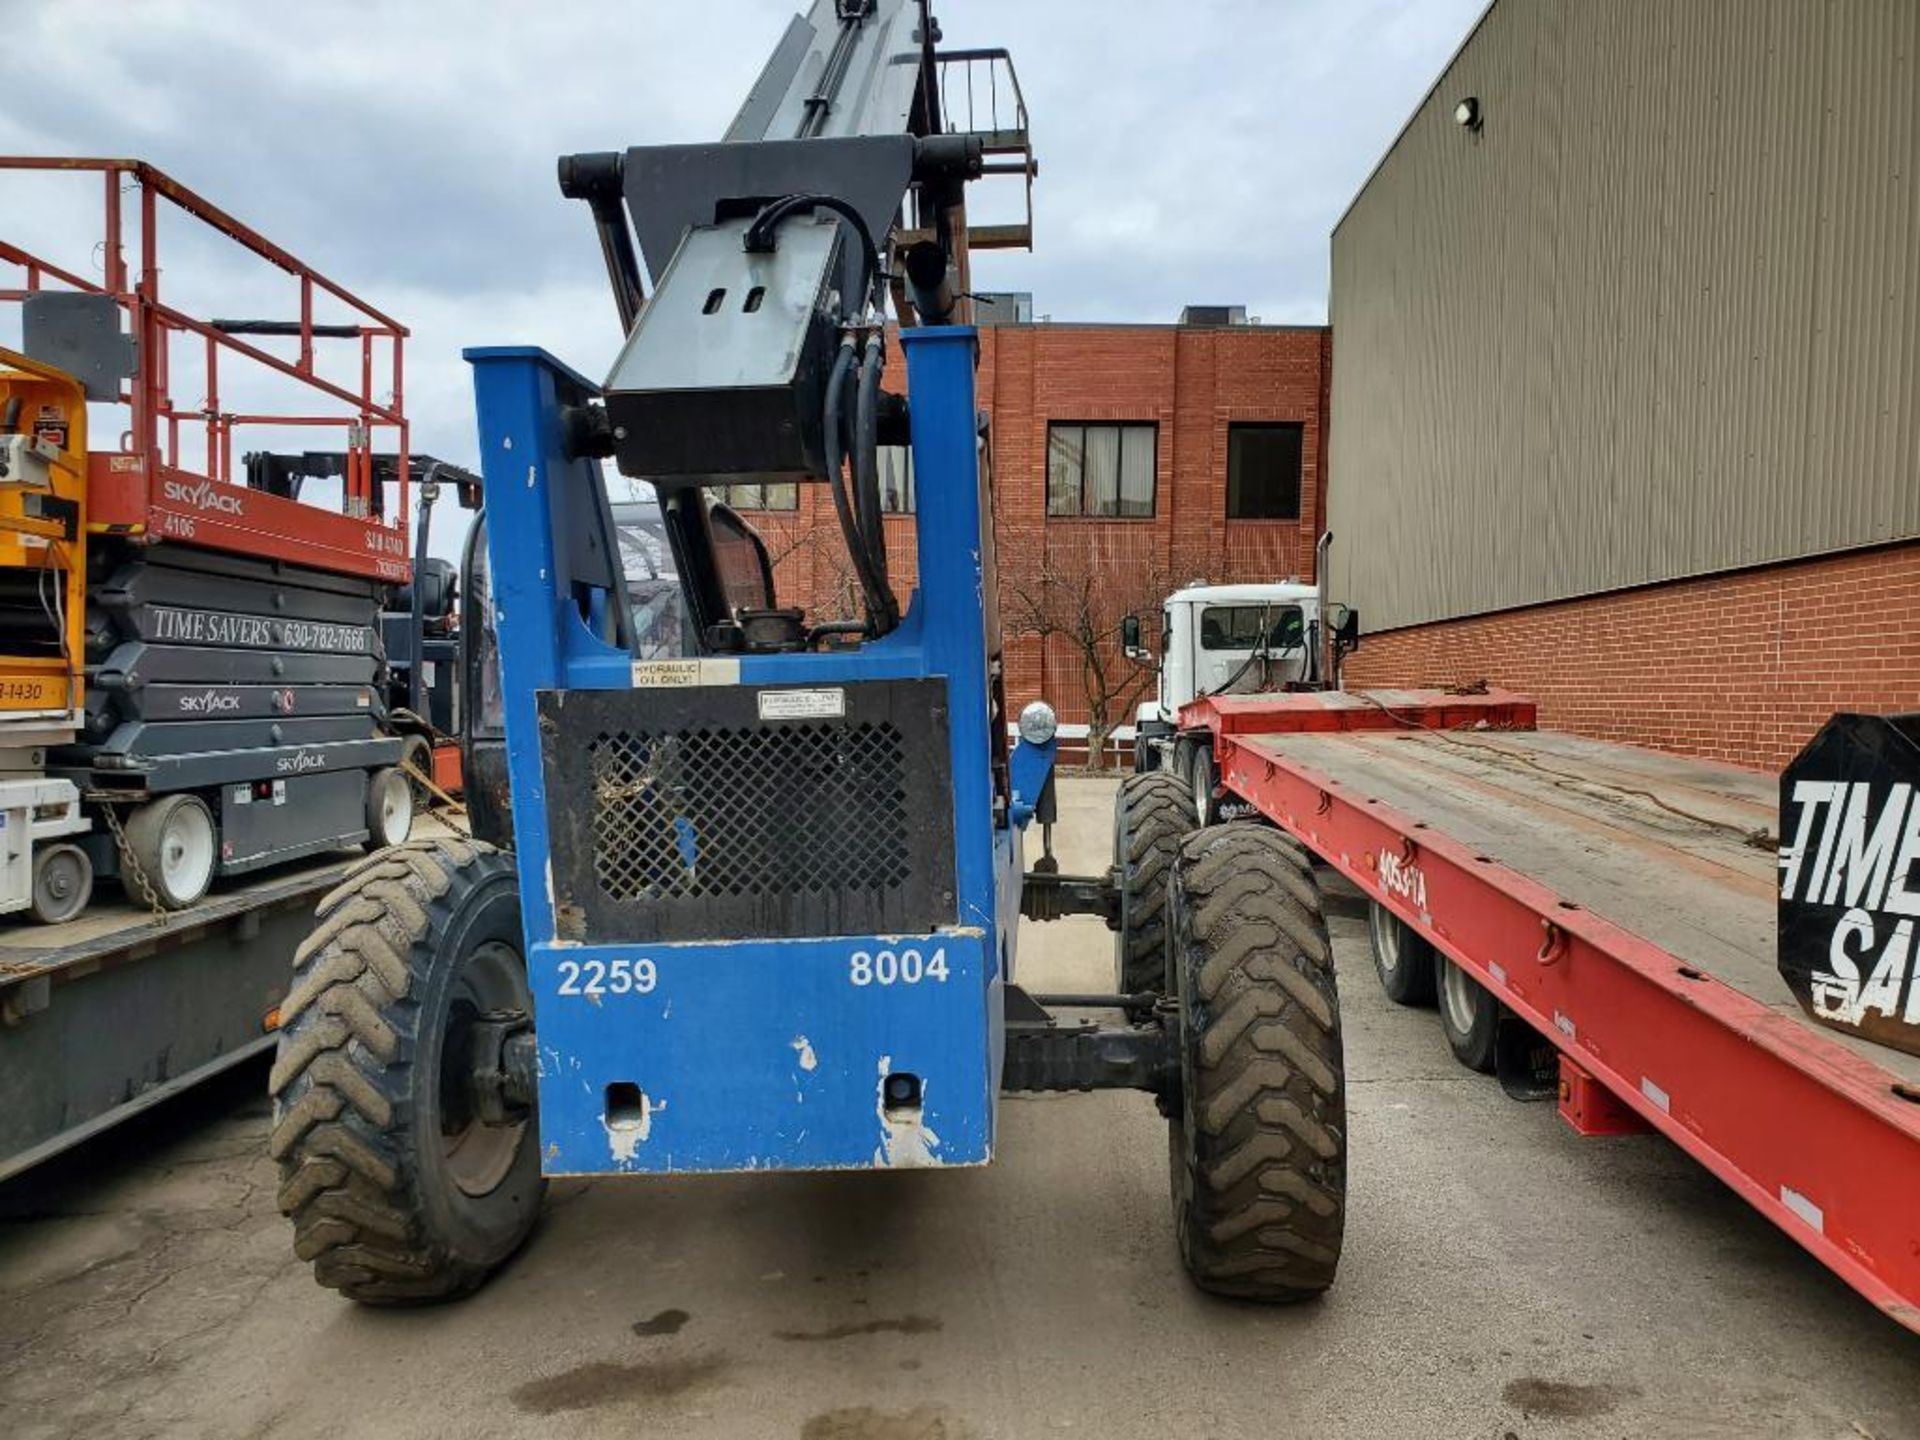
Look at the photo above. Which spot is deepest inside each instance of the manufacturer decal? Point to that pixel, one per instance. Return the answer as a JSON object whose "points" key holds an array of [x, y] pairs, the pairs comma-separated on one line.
{"points": [[210, 702], [205, 497], [826, 704], [300, 762]]}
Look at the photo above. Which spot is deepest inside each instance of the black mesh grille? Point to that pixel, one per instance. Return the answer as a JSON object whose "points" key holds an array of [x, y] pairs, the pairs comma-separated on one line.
{"points": [[686, 813], [815, 808]]}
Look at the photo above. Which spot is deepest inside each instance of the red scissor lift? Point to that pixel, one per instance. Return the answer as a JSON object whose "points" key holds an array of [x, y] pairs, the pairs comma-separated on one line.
{"points": [[137, 486], [235, 670], [1621, 903]]}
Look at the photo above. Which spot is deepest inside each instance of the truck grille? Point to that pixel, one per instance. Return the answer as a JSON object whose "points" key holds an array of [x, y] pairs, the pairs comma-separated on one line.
{"points": [[807, 808]]}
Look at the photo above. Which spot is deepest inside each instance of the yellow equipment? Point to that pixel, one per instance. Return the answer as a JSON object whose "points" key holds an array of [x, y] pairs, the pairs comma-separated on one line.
{"points": [[43, 579]]}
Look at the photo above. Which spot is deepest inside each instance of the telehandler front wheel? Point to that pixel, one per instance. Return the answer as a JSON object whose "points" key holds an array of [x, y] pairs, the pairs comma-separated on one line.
{"points": [[1258, 1140], [403, 1183], [1151, 816]]}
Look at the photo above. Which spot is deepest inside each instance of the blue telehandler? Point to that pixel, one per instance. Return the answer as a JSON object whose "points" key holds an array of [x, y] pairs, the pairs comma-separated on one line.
{"points": [[758, 905]]}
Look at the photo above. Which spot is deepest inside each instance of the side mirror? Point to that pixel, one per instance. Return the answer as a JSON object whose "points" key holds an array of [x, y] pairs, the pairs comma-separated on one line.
{"points": [[1130, 640], [1347, 634]]}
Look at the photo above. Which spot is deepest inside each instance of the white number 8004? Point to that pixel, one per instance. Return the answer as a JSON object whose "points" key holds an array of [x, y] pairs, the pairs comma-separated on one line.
{"points": [[891, 967]]}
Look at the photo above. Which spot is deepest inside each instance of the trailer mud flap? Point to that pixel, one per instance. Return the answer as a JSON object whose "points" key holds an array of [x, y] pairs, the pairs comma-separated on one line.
{"points": [[1527, 1065]]}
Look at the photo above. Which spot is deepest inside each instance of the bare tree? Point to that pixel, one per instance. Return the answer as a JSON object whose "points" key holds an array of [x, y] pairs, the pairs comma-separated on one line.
{"points": [[1077, 595]]}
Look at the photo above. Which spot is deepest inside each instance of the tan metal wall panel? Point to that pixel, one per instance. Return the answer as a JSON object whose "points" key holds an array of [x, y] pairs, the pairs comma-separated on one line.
{"points": [[1660, 317]]}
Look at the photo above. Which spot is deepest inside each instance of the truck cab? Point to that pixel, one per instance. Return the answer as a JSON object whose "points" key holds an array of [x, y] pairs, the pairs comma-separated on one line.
{"points": [[1222, 640]]}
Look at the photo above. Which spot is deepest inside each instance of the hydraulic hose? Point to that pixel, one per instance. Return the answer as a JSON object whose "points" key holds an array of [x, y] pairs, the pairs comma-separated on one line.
{"points": [[866, 454], [759, 236], [872, 591]]}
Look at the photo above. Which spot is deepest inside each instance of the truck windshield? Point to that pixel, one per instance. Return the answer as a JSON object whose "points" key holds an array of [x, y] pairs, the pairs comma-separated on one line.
{"points": [[1238, 627]]}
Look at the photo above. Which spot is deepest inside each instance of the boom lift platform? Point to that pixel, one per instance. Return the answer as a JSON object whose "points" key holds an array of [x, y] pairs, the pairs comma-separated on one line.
{"points": [[762, 902], [1605, 917]]}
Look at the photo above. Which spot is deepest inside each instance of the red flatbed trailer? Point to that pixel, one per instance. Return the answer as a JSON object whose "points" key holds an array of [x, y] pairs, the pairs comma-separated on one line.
{"points": [[1622, 903]]}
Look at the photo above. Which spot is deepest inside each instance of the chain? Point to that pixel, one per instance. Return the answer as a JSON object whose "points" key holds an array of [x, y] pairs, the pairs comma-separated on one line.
{"points": [[448, 809], [131, 865]]}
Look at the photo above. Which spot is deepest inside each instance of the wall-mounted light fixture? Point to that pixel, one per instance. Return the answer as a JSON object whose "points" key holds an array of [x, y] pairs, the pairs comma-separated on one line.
{"points": [[1468, 114]]}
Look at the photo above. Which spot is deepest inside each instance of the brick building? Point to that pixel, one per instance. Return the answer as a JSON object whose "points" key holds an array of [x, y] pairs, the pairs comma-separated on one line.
{"points": [[1625, 408], [1126, 460]]}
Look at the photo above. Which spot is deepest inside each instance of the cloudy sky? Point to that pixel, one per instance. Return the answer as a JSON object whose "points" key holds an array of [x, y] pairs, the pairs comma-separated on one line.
{"points": [[1194, 152]]}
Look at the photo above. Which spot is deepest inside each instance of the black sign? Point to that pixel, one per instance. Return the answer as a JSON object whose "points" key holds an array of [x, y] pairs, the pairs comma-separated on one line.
{"points": [[1850, 877]]}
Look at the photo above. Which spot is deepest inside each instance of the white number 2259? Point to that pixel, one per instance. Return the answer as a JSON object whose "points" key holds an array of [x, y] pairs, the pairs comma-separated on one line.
{"points": [[896, 967], [607, 977]]}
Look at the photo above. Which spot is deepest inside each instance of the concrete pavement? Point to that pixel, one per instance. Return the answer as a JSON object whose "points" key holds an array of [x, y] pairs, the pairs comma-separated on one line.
{"points": [[1501, 1279]]}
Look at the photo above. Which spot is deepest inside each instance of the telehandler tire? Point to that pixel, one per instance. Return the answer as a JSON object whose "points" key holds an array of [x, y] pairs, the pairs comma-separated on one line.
{"points": [[1258, 1142], [398, 1193], [1403, 958], [1151, 816]]}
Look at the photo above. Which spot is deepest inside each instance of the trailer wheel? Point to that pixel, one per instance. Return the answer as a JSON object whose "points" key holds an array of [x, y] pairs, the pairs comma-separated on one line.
{"points": [[1202, 776], [389, 808], [1151, 816], [1469, 1016], [62, 883], [172, 843], [1257, 1143], [1403, 958], [398, 1188]]}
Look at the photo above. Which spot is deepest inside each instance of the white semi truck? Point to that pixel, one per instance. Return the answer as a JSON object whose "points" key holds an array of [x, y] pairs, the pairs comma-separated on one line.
{"points": [[1229, 640]]}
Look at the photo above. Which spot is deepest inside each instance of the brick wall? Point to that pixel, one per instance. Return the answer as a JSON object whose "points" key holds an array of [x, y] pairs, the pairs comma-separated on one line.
{"points": [[1741, 667], [1192, 383]]}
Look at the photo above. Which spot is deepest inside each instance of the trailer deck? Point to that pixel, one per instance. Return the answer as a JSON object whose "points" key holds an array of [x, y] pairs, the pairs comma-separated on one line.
{"points": [[1622, 903], [119, 1009]]}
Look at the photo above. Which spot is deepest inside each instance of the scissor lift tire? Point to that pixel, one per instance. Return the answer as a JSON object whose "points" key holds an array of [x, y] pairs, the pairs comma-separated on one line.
{"points": [[1257, 1143], [1152, 814], [369, 1134]]}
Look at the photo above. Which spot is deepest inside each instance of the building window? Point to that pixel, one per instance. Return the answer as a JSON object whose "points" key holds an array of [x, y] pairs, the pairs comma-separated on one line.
{"points": [[896, 479], [784, 496], [1263, 472], [1101, 470]]}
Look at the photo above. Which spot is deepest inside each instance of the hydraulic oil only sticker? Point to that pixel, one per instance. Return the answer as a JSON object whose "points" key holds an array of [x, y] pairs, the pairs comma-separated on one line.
{"points": [[677, 673]]}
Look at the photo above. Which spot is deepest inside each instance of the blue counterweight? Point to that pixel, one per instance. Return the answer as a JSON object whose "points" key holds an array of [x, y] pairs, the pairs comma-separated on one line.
{"points": [[752, 1050]]}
